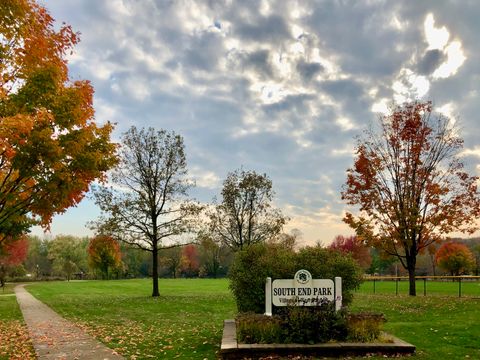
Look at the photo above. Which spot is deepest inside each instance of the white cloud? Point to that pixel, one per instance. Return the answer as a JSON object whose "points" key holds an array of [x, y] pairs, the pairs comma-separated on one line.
{"points": [[455, 59], [345, 123], [436, 38]]}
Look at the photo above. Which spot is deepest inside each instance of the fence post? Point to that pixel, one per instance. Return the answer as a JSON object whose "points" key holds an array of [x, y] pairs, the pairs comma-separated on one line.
{"points": [[396, 286], [374, 285], [424, 286], [459, 287]]}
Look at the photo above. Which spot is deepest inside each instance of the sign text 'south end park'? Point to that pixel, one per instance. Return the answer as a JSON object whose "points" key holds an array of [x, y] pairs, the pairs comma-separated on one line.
{"points": [[302, 290]]}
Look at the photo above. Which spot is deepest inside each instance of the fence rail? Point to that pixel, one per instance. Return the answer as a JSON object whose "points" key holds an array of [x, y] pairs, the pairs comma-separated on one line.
{"points": [[471, 282]]}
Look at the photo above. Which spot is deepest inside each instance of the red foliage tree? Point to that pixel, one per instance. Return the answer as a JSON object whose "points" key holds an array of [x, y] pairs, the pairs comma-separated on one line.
{"points": [[352, 245], [12, 254], [410, 185], [190, 264], [455, 258], [104, 254]]}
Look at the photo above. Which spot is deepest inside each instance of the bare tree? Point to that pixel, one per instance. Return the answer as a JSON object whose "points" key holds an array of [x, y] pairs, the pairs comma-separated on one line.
{"points": [[245, 215], [148, 200]]}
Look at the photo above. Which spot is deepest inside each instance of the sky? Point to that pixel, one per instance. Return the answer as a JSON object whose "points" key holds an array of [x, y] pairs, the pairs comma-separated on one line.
{"points": [[280, 87]]}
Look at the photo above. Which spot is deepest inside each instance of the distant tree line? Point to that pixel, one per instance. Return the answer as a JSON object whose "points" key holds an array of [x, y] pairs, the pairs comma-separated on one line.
{"points": [[70, 257]]}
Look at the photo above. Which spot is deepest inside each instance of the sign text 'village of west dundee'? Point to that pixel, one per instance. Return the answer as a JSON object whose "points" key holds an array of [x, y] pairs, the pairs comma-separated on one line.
{"points": [[302, 290]]}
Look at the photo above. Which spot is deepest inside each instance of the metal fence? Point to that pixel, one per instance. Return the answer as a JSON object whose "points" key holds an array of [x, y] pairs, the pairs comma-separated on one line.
{"points": [[431, 285]]}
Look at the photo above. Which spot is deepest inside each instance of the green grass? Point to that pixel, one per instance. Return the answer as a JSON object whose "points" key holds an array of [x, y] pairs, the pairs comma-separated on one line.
{"points": [[440, 327], [9, 309], [186, 321]]}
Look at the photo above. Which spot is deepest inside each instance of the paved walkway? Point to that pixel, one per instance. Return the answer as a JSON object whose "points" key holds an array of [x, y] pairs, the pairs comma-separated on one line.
{"points": [[56, 338]]}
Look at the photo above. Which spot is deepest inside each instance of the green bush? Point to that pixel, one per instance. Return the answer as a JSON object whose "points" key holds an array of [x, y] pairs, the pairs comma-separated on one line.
{"points": [[259, 329], [251, 267], [313, 324], [254, 264], [365, 327], [303, 325]]}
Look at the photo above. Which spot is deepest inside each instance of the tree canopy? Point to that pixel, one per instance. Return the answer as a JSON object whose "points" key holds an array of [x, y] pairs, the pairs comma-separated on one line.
{"points": [[410, 184], [104, 254], [455, 258], [245, 215], [51, 149]]}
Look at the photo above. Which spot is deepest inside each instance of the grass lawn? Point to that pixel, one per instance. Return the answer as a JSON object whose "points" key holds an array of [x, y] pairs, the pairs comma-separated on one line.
{"points": [[14, 340], [186, 321]]}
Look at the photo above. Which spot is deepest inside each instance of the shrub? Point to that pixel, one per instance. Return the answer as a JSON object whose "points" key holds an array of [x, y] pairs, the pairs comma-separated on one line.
{"points": [[313, 324], [259, 329], [254, 264], [251, 267], [304, 325], [365, 327]]}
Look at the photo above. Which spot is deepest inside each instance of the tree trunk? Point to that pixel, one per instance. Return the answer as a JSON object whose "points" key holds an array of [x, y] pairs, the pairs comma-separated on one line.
{"points": [[155, 292], [411, 264]]}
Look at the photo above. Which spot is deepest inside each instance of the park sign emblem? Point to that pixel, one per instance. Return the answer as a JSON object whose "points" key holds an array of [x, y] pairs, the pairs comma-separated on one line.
{"points": [[302, 290]]}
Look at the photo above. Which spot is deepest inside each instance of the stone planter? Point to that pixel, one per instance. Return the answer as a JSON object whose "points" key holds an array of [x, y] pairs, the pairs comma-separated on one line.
{"points": [[231, 349]]}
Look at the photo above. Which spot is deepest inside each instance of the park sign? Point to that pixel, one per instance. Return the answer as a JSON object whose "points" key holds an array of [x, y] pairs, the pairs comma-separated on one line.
{"points": [[302, 290]]}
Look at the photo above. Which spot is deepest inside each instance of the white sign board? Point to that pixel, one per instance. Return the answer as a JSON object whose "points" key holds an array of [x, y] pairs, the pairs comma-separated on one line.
{"points": [[302, 290]]}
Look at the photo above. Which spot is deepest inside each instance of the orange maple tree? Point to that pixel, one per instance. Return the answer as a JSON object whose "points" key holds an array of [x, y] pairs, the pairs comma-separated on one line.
{"points": [[104, 254], [455, 258], [410, 184], [51, 149]]}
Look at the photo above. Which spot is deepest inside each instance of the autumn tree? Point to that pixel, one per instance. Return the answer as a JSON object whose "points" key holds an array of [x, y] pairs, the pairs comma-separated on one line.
{"points": [[245, 214], [12, 254], [148, 203], [50, 146], [190, 263], [104, 254], [410, 184], [455, 258], [353, 246]]}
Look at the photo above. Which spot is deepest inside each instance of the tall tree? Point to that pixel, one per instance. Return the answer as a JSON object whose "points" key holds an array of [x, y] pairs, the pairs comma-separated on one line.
{"points": [[104, 254], [148, 203], [410, 184], [50, 146], [245, 214], [455, 258]]}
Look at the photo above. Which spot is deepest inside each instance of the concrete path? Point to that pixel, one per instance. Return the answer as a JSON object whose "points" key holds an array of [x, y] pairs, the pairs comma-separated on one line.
{"points": [[56, 338]]}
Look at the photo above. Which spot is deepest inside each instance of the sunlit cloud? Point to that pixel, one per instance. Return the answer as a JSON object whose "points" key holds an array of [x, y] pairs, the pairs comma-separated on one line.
{"points": [[455, 59], [409, 86], [437, 38]]}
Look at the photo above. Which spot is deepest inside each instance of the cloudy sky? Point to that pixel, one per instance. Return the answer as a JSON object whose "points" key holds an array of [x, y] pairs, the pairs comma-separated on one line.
{"points": [[280, 87]]}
